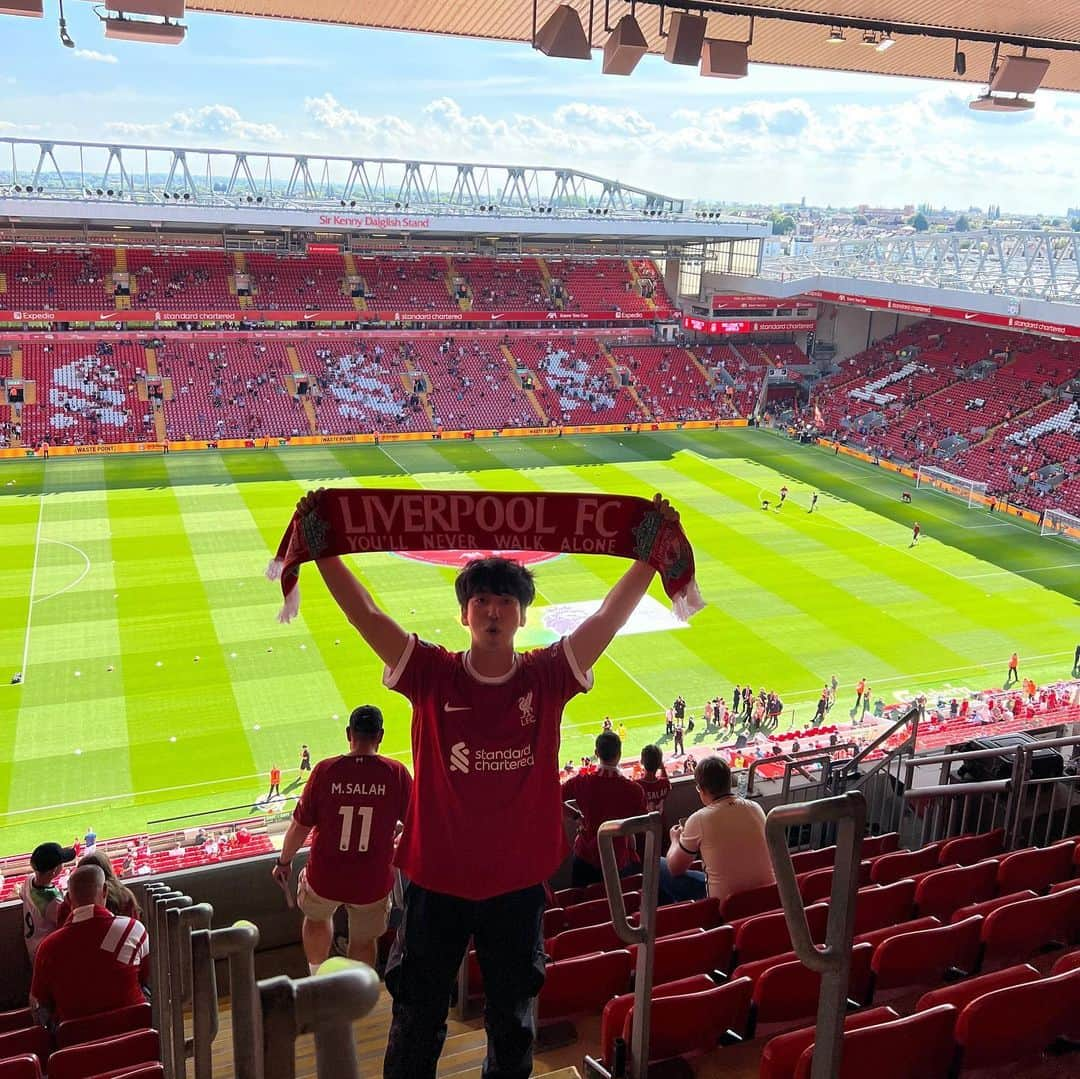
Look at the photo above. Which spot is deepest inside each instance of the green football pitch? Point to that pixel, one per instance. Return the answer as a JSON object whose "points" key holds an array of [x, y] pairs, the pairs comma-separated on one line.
{"points": [[157, 683]]}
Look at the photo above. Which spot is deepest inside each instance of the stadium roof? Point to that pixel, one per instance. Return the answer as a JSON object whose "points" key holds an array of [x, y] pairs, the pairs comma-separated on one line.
{"points": [[788, 32]]}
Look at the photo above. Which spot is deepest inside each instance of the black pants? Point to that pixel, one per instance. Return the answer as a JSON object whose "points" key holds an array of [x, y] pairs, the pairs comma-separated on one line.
{"points": [[1076, 658], [423, 966]]}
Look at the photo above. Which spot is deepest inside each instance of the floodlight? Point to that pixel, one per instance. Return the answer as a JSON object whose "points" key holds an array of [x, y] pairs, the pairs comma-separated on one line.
{"points": [[836, 36]]}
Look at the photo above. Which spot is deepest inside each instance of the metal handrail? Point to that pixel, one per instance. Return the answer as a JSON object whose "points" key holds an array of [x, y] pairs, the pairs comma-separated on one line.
{"points": [[644, 933], [236, 944], [803, 756], [325, 1006], [161, 996], [181, 921], [847, 813]]}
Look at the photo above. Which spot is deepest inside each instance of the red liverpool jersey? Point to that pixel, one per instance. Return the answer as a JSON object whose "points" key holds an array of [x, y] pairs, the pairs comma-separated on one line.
{"points": [[604, 795], [354, 805], [656, 791], [486, 812]]}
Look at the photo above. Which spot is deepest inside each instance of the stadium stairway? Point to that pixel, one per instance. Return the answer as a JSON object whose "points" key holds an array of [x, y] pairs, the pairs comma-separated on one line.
{"points": [[297, 367], [358, 302], [642, 407], [530, 395]]}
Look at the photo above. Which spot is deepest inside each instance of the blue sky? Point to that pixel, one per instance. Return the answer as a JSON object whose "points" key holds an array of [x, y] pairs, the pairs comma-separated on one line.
{"points": [[778, 135]]}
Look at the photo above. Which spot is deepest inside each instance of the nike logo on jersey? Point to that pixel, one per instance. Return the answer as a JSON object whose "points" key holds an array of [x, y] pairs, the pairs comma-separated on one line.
{"points": [[456, 708]]}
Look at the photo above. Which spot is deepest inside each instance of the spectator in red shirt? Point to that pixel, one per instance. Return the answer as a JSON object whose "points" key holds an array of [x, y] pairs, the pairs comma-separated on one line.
{"points": [[654, 782], [354, 803], [97, 962], [605, 795], [484, 825]]}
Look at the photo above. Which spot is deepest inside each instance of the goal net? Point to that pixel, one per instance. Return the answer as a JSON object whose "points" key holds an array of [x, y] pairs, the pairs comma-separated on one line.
{"points": [[1060, 523], [973, 492]]}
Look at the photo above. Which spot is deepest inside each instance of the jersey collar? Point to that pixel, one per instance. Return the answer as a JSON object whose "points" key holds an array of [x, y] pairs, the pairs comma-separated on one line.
{"points": [[496, 680]]}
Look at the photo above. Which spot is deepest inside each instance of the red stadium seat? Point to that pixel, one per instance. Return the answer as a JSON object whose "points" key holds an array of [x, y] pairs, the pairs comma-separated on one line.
{"points": [[108, 1055], [567, 897], [892, 867], [1018, 930], [1067, 963], [764, 935], [969, 849], [988, 1032], [24, 1066], [33, 1039], [554, 921], [585, 984], [1037, 868], [598, 891], [616, 1010], [781, 1054], [873, 845], [141, 1071], [696, 914], [595, 911], [926, 956], [961, 994], [105, 1025], [16, 1019], [806, 860], [787, 991], [876, 907], [946, 890], [694, 1022], [987, 906], [876, 936], [699, 951], [583, 941], [752, 901], [916, 1047]]}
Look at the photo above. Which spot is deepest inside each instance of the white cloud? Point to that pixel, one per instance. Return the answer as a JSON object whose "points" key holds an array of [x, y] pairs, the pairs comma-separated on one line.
{"points": [[221, 123], [97, 57]]}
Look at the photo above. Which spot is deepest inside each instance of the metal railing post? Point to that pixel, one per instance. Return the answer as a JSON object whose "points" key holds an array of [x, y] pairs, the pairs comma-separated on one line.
{"points": [[181, 921], [326, 1006], [833, 961], [161, 999], [644, 934]]}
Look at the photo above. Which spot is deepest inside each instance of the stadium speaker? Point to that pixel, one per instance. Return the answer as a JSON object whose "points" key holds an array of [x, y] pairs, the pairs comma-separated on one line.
{"points": [[724, 59], [1045, 763], [686, 35], [625, 47], [1019, 75], [34, 9], [155, 33], [563, 36]]}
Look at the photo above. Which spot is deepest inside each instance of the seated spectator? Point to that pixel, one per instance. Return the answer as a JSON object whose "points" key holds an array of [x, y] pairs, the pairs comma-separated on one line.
{"points": [[727, 833], [41, 898], [604, 795], [119, 898], [99, 961], [654, 782]]}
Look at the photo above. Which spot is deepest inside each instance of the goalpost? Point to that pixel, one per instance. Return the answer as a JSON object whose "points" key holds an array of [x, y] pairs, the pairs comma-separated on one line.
{"points": [[973, 492], [1060, 523]]}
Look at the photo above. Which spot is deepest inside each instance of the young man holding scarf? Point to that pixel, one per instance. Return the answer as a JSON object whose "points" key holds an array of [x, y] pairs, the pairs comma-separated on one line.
{"points": [[484, 827]]}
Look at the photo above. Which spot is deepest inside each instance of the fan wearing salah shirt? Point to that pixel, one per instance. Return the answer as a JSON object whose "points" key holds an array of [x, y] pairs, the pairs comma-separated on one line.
{"points": [[654, 782], [483, 830], [354, 803], [95, 963], [603, 795]]}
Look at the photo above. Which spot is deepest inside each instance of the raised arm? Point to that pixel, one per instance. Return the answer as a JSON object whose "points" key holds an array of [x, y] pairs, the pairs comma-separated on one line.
{"points": [[598, 630], [381, 633]]}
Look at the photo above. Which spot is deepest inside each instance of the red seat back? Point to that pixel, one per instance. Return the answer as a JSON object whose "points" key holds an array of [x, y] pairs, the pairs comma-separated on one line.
{"points": [[33, 1039], [694, 1022], [596, 911], [920, 1044], [697, 914], [806, 860], [107, 1055], [758, 900], [781, 1054], [140, 1071], [945, 891], [1067, 963], [17, 1019], [598, 890], [24, 1066], [590, 938], [615, 1011], [876, 907], [1036, 869], [968, 849], [873, 845], [585, 984], [1019, 929], [695, 952], [815, 885], [876, 936], [961, 994], [989, 905], [892, 867], [104, 1025], [988, 1032], [925, 956], [767, 934], [554, 921]]}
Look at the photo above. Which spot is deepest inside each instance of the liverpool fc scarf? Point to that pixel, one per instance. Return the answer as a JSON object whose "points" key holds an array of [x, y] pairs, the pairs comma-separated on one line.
{"points": [[353, 521]]}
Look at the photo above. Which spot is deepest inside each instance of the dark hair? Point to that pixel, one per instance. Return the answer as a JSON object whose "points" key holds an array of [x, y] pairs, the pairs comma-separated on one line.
{"points": [[499, 576], [652, 760], [119, 898], [608, 747], [713, 776], [366, 721]]}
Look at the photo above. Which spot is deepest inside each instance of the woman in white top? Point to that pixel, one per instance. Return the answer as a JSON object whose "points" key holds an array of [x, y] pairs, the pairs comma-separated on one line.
{"points": [[727, 833]]}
